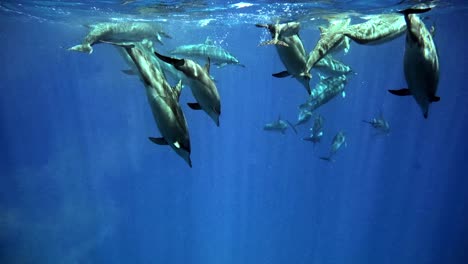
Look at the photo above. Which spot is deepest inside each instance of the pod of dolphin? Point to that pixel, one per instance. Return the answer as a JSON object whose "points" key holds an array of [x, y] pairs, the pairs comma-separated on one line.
{"points": [[134, 41], [421, 64]]}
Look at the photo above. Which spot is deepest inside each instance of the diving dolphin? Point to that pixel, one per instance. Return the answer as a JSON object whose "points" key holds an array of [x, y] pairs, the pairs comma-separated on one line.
{"points": [[316, 132], [291, 52], [120, 33], [303, 117], [379, 123], [330, 39], [203, 88], [217, 54], [163, 100], [421, 62], [279, 126], [338, 140], [327, 89], [332, 67], [377, 30]]}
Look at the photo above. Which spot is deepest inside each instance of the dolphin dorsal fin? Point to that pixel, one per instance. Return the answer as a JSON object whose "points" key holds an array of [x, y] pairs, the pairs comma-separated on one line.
{"points": [[208, 41], [178, 89], [207, 66]]}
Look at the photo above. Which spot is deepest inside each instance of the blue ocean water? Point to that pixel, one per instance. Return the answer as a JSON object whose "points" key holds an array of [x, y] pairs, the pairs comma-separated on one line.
{"points": [[81, 183]]}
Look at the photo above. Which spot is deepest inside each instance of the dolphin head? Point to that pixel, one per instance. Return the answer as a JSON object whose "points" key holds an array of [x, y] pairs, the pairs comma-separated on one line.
{"points": [[182, 148], [82, 48], [214, 114]]}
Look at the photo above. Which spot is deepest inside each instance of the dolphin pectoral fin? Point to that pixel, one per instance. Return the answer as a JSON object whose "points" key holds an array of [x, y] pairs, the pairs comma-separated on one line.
{"points": [[274, 42], [158, 141], [172, 61], [241, 65], [194, 106], [326, 158], [207, 66], [129, 72], [435, 99], [281, 74], [261, 25], [401, 92]]}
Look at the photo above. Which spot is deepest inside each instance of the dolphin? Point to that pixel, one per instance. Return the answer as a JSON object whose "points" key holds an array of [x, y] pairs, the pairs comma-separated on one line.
{"points": [[421, 62], [316, 132], [163, 100], [332, 67], [203, 88], [377, 30], [120, 33], [291, 51], [217, 54], [379, 123], [338, 140], [279, 126], [330, 39], [324, 91], [303, 117]]}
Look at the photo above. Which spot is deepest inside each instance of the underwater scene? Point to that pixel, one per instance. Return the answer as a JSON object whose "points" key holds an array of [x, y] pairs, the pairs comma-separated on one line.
{"points": [[259, 132]]}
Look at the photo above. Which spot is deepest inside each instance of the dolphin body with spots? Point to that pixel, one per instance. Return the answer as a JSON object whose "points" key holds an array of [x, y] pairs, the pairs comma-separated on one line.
{"points": [[338, 141], [331, 40], [327, 89], [279, 125], [291, 51], [377, 30], [163, 100], [123, 32], [218, 56], [202, 86], [332, 67], [421, 61], [316, 132]]}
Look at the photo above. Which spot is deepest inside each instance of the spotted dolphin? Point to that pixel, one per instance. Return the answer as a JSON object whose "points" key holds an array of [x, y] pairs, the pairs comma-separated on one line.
{"points": [[379, 123], [377, 30], [291, 51], [338, 141], [203, 88], [120, 33], [330, 39], [332, 67], [163, 100], [217, 54], [327, 89], [316, 132], [421, 62], [279, 125]]}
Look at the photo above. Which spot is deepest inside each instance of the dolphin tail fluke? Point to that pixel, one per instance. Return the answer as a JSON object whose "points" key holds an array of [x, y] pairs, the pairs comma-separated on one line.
{"points": [[415, 10], [281, 74], [82, 48], [172, 61], [292, 126]]}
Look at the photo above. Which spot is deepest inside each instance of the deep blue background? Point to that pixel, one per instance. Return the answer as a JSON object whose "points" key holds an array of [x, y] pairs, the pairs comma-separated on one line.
{"points": [[81, 183]]}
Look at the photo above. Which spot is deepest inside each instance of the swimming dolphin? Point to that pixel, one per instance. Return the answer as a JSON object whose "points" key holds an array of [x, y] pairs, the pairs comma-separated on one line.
{"points": [[379, 123], [291, 52], [217, 54], [332, 67], [316, 132], [330, 38], [163, 100], [120, 33], [324, 91], [421, 62], [303, 117], [338, 140], [203, 88], [279, 126], [377, 30]]}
